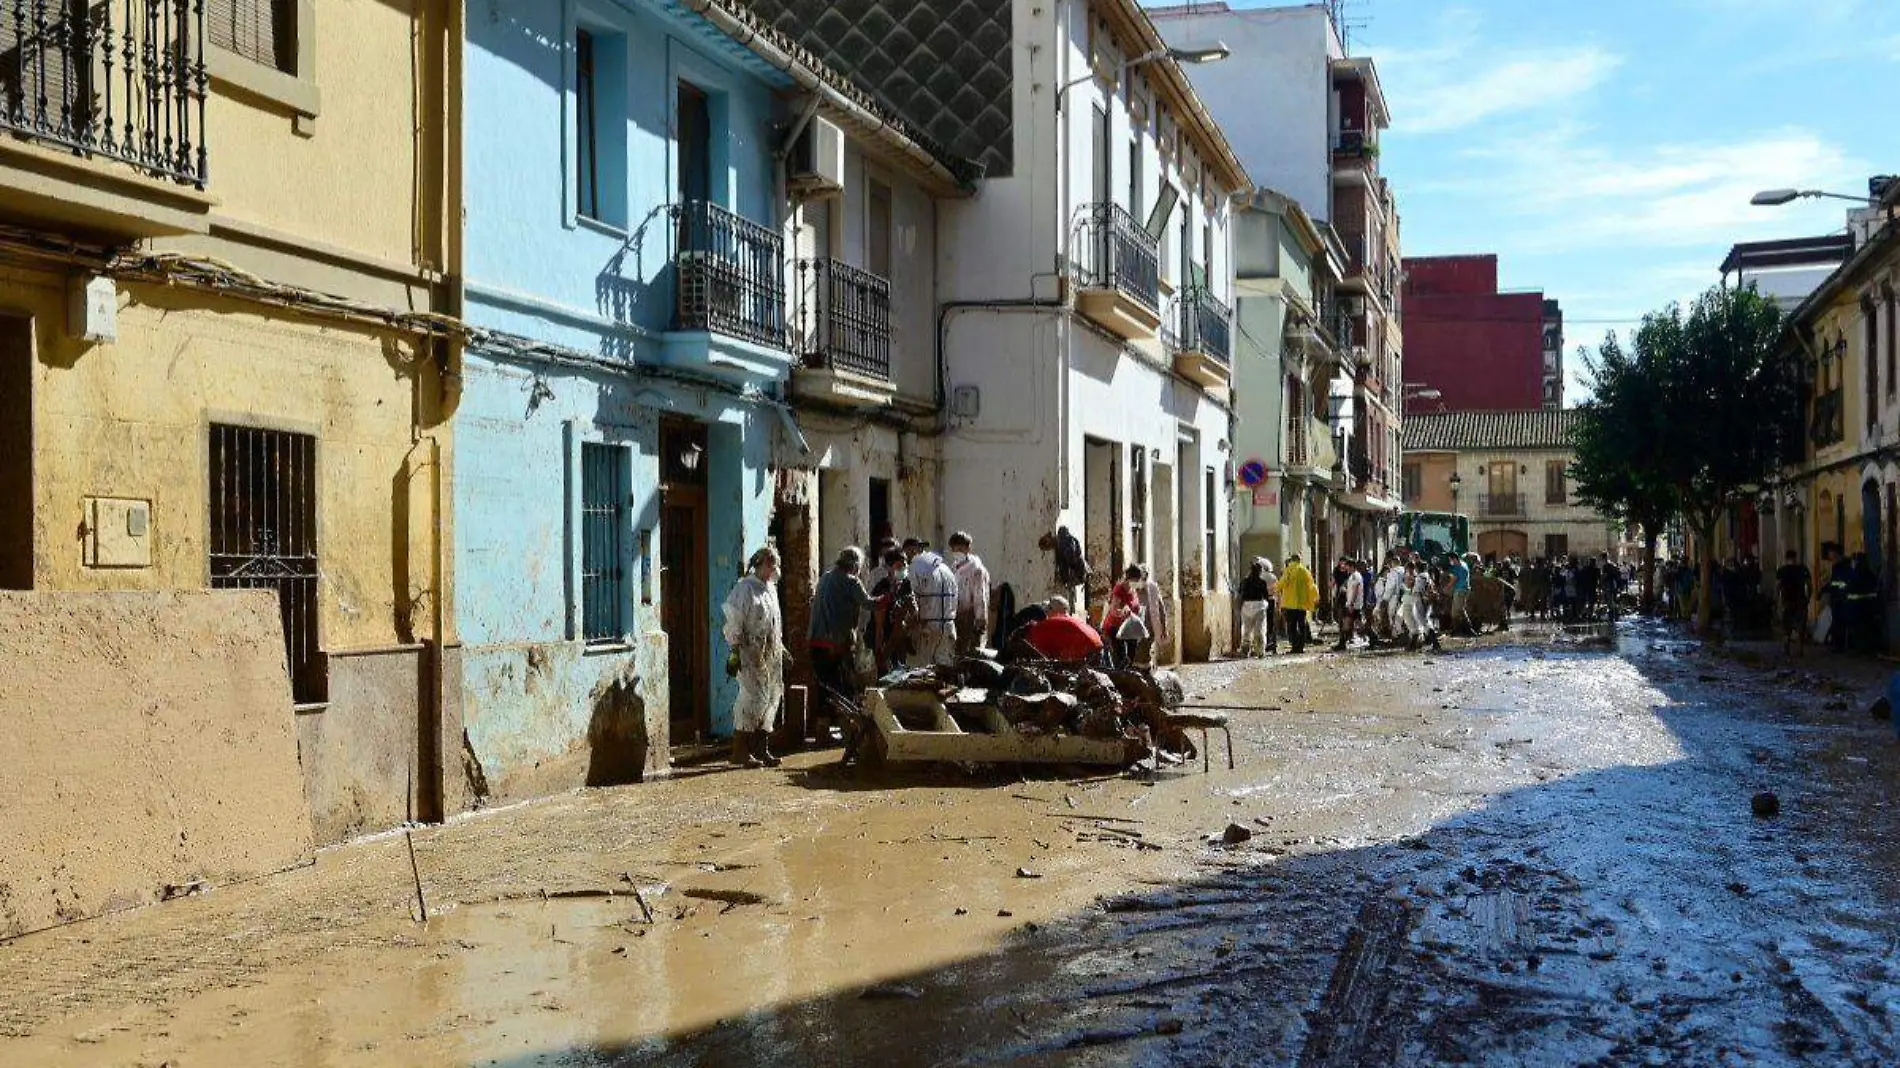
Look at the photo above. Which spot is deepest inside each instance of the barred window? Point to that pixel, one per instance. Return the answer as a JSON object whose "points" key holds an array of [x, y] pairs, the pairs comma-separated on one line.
{"points": [[263, 536], [262, 31], [604, 486]]}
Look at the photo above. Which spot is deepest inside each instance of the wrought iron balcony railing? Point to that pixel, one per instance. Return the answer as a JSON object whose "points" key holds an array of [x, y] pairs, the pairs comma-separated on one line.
{"points": [[731, 275], [1501, 504], [842, 318], [1205, 324], [1117, 253], [120, 79]]}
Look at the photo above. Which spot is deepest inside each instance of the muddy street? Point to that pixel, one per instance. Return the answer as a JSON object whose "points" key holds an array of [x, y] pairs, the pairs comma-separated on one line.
{"points": [[1506, 854]]}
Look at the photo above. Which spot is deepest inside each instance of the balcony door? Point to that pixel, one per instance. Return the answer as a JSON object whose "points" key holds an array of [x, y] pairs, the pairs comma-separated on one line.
{"points": [[1502, 486], [693, 129]]}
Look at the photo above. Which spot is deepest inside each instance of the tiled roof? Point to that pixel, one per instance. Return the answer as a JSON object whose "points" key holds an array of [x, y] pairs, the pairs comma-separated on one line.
{"points": [[943, 69], [1468, 431]]}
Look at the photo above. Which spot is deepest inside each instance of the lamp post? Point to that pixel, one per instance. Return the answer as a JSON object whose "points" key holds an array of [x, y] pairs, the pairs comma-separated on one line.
{"points": [[1457, 483], [1213, 53], [1774, 198]]}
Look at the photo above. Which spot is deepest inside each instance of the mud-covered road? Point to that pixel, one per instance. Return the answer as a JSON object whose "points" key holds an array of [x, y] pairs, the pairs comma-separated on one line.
{"points": [[1508, 854]]}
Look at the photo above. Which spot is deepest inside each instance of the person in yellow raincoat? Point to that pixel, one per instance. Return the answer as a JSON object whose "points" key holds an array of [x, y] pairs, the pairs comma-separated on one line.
{"points": [[1299, 595]]}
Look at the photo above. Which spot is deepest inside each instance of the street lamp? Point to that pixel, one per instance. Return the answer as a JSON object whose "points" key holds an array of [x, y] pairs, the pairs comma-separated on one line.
{"points": [[1457, 483], [1774, 198], [1213, 53]]}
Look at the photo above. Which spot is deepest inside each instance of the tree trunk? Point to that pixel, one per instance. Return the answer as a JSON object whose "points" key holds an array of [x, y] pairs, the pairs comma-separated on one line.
{"points": [[1649, 571], [1705, 574]]}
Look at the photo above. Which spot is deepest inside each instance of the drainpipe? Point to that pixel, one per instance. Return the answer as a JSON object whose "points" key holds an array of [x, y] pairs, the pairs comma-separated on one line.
{"points": [[781, 160]]}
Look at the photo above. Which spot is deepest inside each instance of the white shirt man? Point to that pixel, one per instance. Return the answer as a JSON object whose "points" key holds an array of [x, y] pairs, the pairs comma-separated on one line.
{"points": [[973, 594]]}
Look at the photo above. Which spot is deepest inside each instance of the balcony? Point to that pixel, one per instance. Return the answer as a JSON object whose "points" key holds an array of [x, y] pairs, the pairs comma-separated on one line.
{"points": [[1354, 152], [106, 102], [841, 333], [729, 308], [1203, 345], [1501, 505], [1118, 274]]}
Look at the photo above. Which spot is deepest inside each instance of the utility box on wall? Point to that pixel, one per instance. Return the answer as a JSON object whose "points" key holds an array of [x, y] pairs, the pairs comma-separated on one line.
{"points": [[118, 532], [92, 309]]}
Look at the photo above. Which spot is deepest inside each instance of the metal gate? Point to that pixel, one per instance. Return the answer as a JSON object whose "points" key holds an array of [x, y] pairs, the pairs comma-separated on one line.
{"points": [[264, 535]]}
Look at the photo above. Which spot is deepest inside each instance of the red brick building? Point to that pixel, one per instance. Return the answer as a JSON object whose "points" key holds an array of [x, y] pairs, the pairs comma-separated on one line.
{"points": [[1478, 349]]}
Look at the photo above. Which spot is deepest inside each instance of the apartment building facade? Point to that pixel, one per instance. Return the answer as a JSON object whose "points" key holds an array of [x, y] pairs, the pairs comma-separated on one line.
{"points": [[701, 272], [1288, 357], [1307, 120], [222, 365]]}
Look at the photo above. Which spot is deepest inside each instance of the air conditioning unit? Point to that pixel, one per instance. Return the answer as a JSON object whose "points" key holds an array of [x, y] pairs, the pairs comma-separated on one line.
{"points": [[816, 167]]}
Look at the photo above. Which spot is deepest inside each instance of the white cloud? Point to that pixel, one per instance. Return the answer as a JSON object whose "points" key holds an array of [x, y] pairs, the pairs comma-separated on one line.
{"points": [[1460, 79], [1561, 190], [1530, 81]]}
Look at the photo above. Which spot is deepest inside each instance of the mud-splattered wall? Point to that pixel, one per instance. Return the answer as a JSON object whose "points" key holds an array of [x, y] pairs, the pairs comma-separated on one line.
{"points": [[146, 742]]}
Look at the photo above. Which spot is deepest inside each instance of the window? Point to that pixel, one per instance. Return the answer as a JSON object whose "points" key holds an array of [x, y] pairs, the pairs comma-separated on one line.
{"points": [[587, 133], [604, 488], [262, 31], [1414, 483], [1556, 545], [1871, 357], [263, 536], [1209, 560], [1556, 482], [600, 126], [1136, 201], [1104, 168], [877, 228]]}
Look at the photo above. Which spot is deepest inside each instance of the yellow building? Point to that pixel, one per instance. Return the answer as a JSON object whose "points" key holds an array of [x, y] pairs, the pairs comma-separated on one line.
{"points": [[1510, 473], [222, 233], [1846, 490]]}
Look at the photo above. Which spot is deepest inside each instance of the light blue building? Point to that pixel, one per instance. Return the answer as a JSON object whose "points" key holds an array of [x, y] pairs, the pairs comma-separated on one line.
{"points": [[618, 416]]}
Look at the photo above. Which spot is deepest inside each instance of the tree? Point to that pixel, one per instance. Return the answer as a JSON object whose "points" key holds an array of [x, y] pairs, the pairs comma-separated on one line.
{"points": [[1620, 432], [1725, 396]]}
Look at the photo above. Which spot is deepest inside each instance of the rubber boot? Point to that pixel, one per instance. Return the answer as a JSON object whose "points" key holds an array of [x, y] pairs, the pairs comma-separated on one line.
{"points": [[749, 749], [761, 750], [741, 747]]}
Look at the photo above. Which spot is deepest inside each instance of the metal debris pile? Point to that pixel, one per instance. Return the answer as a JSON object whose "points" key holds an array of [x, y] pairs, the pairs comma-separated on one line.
{"points": [[1042, 697]]}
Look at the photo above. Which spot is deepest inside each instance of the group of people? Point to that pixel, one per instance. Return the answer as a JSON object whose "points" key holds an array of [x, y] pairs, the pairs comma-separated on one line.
{"points": [[915, 607], [1409, 600], [911, 607], [1567, 589], [1847, 606]]}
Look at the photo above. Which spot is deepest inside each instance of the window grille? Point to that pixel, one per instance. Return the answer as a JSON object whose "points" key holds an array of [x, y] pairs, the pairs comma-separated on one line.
{"points": [[263, 535], [604, 485]]}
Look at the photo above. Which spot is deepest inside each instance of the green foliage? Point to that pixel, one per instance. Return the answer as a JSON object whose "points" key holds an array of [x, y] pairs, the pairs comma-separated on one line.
{"points": [[1695, 411]]}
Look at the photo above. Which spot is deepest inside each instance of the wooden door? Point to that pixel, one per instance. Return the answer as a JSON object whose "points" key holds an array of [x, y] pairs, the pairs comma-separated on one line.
{"points": [[684, 602]]}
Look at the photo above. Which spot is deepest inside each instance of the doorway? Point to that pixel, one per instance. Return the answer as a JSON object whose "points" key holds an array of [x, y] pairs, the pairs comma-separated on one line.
{"points": [[1101, 516], [16, 454], [684, 602], [1870, 524]]}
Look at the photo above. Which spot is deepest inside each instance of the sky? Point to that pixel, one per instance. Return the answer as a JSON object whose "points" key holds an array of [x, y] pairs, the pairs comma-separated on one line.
{"points": [[1606, 150]]}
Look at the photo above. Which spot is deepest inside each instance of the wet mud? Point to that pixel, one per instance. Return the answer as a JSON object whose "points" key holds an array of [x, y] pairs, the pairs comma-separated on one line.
{"points": [[1507, 854]]}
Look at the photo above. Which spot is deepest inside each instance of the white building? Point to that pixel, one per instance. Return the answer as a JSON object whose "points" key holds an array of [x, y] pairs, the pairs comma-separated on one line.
{"points": [[1086, 324], [1306, 120]]}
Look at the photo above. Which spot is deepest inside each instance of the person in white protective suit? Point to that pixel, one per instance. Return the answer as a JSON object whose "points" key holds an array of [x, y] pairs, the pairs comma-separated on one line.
{"points": [[1391, 593], [756, 637], [935, 587]]}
